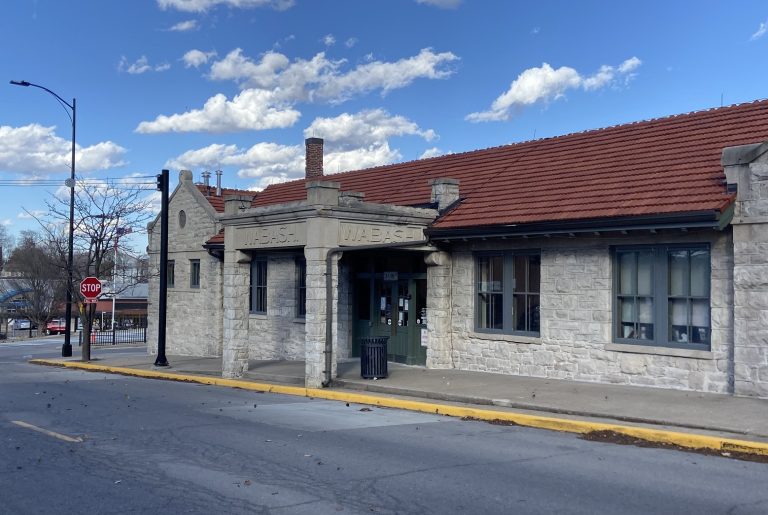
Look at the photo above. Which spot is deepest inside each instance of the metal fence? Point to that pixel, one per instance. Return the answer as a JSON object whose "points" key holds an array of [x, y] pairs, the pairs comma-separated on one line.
{"points": [[128, 330]]}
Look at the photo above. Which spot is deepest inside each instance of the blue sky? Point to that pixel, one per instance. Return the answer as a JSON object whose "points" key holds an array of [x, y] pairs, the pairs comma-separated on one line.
{"points": [[237, 85]]}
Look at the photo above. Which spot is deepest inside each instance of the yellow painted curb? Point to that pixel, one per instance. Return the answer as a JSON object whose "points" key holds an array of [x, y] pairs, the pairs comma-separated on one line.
{"points": [[688, 440]]}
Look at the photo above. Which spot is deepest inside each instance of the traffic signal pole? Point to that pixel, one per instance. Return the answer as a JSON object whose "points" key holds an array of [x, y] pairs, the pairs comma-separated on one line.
{"points": [[162, 185]]}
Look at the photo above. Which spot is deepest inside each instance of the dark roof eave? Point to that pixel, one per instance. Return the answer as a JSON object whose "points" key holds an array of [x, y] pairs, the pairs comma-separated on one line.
{"points": [[710, 219]]}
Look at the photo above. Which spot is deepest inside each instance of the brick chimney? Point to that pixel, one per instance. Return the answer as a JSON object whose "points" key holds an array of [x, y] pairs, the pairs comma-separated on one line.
{"points": [[314, 158]]}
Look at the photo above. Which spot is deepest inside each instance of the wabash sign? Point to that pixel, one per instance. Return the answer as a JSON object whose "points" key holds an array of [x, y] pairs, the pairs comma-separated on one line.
{"points": [[90, 287]]}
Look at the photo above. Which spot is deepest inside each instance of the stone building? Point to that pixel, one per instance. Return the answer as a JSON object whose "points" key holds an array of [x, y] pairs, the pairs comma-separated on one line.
{"points": [[635, 254]]}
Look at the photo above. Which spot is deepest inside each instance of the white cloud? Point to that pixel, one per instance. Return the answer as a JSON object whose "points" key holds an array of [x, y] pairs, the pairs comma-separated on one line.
{"points": [[352, 141], [363, 129], [545, 83], [31, 215], [274, 84], [630, 65], [385, 76], [359, 158], [761, 30], [205, 5], [433, 152], [140, 66], [196, 58], [443, 4], [34, 149], [239, 68], [349, 43], [321, 78], [329, 40], [184, 26], [250, 110], [271, 163], [6, 222]]}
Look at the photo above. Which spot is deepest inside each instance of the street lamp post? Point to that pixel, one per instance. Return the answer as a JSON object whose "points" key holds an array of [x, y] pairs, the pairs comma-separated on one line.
{"points": [[66, 349]]}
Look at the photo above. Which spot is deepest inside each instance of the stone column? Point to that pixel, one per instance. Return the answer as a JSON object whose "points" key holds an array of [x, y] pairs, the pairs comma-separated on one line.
{"points": [[237, 271], [322, 236], [439, 272], [746, 169]]}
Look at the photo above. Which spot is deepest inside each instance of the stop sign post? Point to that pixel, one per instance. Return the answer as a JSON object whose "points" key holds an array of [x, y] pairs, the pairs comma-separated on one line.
{"points": [[90, 288]]}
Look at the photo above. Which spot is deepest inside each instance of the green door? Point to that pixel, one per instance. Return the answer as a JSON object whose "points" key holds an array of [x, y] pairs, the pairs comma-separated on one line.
{"points": [[393, 307]]}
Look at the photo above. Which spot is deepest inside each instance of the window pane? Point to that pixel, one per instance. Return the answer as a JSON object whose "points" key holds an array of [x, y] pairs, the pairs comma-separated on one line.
{"points": [[521, 273], [627, 317], [525, 312], [534, 274], [533, 313], [678, 272], [645, 310], [518, 312], [700, 273], [678, 320], [627, 309], [626, 272], [645, 273], [490, 273], [490, 312], [700, 321]]}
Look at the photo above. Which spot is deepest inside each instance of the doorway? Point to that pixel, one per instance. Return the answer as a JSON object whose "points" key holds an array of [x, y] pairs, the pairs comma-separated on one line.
{"points": [[393, 304]]}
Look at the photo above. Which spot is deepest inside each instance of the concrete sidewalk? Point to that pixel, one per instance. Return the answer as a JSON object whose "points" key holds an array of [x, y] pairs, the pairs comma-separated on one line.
{"points": [[691, 412]]}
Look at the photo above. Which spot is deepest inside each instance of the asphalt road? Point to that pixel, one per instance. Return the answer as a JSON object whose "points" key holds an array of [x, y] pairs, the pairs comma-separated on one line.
{"points": [[165, 447]]}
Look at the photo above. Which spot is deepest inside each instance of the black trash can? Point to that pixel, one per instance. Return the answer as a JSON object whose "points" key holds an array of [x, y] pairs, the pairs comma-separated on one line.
{"points": [[373, 357]]}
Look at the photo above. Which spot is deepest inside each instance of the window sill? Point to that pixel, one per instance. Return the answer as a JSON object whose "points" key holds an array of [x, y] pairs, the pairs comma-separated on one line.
{"points": [[299, 320], [660, 351], [511, 338], [258, 316]]}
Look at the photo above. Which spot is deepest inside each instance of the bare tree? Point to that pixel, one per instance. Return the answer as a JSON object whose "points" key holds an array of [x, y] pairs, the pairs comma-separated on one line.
{"points": [[6, 245], [32, 269], [103, 212]]}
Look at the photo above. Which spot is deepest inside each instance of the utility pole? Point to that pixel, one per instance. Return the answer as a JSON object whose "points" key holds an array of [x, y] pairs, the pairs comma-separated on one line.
{"points": [[162, 185]]}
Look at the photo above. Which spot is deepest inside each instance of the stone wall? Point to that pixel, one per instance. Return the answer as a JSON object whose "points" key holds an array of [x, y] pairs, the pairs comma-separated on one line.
{"points": [[576, 320], [195, 315], [280, 333], [747, 168]]}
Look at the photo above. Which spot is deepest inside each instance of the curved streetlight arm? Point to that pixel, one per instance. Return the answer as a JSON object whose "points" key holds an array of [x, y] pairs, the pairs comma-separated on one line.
{"points": [[26, 84]]}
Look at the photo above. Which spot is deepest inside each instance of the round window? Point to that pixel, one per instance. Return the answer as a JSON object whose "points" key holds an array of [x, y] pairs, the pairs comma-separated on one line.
{"points": [[182, 218]]}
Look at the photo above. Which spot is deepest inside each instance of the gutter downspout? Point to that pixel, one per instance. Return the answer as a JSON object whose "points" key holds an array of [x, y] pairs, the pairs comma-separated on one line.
{"points": [[329, 295]]}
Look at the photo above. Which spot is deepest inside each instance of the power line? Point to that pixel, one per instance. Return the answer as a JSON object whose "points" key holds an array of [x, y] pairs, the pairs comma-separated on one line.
{"points": [[134, 182]]}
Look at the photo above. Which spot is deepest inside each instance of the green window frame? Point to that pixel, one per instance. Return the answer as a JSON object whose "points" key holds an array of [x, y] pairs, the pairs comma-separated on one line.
{"points": [[662, 295], [257, 298], [301, 287], [508, 292], [194, 273]]}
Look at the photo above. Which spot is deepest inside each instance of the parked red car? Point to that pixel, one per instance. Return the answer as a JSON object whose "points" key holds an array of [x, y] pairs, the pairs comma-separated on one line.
{"points": [[56, 327]]}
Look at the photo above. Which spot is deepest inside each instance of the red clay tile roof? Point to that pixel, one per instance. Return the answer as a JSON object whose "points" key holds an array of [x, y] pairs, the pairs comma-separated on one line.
{"points": [[660, 166], [216, 240], [218, 202]]}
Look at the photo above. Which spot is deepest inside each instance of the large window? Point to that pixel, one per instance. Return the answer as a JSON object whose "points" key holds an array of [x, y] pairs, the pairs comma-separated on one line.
{"points": [[194, 273], [507, 298], [301, 287], [257, 300], [170, 273], [662, 295]]}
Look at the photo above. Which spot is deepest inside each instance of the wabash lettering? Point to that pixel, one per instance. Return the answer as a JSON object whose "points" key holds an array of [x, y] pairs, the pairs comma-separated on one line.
{"points": [[372, 234]]}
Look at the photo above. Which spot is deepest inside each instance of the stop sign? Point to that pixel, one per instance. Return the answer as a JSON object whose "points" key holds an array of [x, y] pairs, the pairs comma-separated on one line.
{"points": [[90, 287]]}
